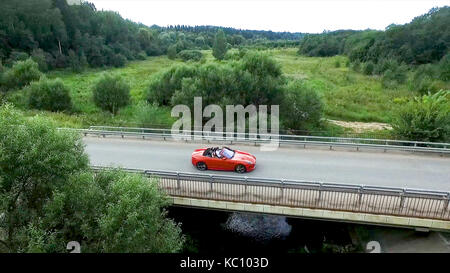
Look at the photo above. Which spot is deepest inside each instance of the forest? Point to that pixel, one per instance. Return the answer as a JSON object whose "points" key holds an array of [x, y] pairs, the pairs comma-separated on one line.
{"points": [[58, 35]]}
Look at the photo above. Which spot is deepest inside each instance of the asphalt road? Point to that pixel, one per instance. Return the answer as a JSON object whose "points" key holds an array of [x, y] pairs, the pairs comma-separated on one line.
{"points": [[367, 168]]}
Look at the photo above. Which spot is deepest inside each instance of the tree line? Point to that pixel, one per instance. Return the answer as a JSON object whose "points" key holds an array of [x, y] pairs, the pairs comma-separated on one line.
{"points": [[58, 35], [426, 39]]}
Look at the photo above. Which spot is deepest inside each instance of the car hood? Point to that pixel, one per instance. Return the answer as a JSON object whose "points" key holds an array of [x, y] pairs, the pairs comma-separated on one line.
{"points": [[243, 156]]}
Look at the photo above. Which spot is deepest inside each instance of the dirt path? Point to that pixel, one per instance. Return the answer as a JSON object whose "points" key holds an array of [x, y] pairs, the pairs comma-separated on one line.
{"points": [[360, 127]]}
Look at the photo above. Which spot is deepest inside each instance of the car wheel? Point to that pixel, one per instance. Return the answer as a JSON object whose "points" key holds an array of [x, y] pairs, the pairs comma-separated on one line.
{"points": [[240, 168], [201, 166]]}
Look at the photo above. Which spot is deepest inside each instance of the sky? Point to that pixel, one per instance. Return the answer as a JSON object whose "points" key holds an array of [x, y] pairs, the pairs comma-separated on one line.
{"points": [[305, 16]]}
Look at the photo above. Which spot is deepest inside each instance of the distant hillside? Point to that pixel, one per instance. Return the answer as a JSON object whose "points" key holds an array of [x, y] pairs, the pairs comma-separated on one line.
{"points": [[425, 39]]}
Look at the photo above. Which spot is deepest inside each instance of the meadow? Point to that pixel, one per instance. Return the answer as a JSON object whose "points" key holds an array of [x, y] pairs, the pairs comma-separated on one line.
{"points": [[347, 95]]}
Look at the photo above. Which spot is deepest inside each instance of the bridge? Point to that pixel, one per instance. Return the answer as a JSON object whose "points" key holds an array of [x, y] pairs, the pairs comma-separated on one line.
{"points": [[407, 186]]}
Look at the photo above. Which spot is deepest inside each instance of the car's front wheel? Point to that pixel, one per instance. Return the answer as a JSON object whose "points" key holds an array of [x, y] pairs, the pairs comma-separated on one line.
{"points": [[202, 166], [240, 168]]}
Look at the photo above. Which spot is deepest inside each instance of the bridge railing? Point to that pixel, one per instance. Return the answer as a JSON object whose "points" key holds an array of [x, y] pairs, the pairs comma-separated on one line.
{"points": [[358, 143], [305, 194]]}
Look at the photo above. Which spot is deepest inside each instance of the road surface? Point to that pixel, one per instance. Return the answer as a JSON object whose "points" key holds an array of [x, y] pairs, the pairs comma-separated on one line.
{"points": [[350, 167]]}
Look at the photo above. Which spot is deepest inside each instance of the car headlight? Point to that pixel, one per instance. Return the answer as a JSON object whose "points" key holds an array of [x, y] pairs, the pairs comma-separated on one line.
{"points": [[249, 162]]}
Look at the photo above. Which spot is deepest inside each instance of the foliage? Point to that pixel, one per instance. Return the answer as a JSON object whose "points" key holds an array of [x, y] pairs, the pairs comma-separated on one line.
{"points": [[172, 52], [425, 118], [50, 95], [220, 45], [257, 79], [193, 55], [50, 29], [302, 107], [35, 158], [111, 211], [150, 115], [111, 93], [423, 40], [368, 68], [48, 196], [392, 78], [21, 74]]}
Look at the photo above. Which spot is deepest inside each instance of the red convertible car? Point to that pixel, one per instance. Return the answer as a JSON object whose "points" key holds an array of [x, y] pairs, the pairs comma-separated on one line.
{"points": [[224, 159]]}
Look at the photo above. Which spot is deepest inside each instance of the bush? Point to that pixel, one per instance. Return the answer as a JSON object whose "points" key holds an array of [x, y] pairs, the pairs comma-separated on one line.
{"points": [[111, 211], [38, 55], [163, 85], [444, 68], [141, 56], [16, 56], [257, 79], [356, 65], [35, 160], [150, 115], [368, 68], [385, 64], [423, 79], [117, 60], [392, 78], [337, 64], [50, 95], [193, 55], [301, 107], [172, 52], [111, 92], [21, 74], [425, 118]]}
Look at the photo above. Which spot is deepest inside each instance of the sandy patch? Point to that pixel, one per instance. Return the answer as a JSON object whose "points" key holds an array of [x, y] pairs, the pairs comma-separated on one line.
{"points": [[362, 126]]}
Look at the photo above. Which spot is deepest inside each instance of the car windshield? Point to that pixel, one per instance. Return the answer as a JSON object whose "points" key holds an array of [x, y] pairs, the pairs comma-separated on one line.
{"points": [[227, 153]]}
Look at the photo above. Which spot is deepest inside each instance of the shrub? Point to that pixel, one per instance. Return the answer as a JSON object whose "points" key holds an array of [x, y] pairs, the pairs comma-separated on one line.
{"points": [[141, 56], [368, 68], [16, 56], [172, 52], [50, 95], [150, 115], [111, 92], [444, 68], [385, 64], [425, 118], [257, 79], [117, 60], [193, 55], [21, 74], [423, 79], [35, 160], [392, 78], [337, 64], [356, 65], [117, 211], [163, 85], [220, 45], [38, 55], [301, 107]]}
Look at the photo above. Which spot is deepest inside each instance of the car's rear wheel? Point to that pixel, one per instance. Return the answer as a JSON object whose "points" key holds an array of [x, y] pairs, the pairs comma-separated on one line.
{"points": [[240, 168], [202, 166]]}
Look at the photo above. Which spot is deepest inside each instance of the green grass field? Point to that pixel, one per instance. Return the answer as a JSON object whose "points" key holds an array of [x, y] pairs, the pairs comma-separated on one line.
{"points": [[347, 95]]}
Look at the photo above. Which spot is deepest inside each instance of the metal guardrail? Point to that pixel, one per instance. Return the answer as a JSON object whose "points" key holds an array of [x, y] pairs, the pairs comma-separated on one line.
{"points": [[304, 194], [358, 143]]}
